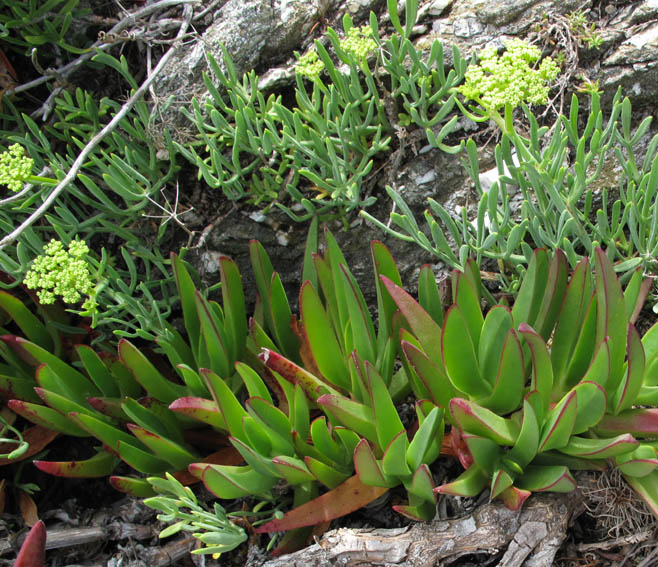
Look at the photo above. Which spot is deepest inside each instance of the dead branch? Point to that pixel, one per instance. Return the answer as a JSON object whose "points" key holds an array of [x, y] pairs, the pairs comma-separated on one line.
{"points": [[530, 538], [91, 145]]}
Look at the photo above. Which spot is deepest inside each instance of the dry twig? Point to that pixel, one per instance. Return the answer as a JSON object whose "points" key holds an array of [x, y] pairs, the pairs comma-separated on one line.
{"points": [[110, 127]]}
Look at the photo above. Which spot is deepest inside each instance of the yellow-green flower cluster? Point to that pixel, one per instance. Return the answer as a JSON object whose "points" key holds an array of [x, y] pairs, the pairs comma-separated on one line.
{"points": [[511, 77], [309, 65], [358, 42], [15, 167], [61, 273]]}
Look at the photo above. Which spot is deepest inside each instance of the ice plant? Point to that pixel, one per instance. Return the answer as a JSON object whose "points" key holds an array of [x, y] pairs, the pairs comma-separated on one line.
{"points": [[528, 414]]}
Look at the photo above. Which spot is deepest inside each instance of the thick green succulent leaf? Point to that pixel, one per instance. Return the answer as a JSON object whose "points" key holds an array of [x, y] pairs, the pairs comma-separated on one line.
{"points": [[486, 453], [358, 417], [64, 405], [142, 461], [46, 417], [323, 344], [98, 372], [514, 497], [76, 383], [631, 383], [214, 350], [432, 375], [270, 416], [229, 406], [529, 299], [468, 484], [282, 317], [18, 388], [599, 369], [525, 448], [235, 317], [201, 409], [466, 297], [500, 481], [459, 356], [137, 487], [262, 438], [324, 442], [344, 499], [476, 420], [348, 439], [552, 458], [229, 482], [384, 265], [426, 443], [148, 375], [394, 461], [179, 352], [635, 294], [292, 470], [559, 423], [259, 461], [100, 465], [33, 329], [152, 418], [542, 371], [639, 422], [255, 385], [611, 310], [571, 318], [299, 413], [294, 374], [494, 332], [326, 474], [360, 333], [429, 295], [592, 405], [51, 381], [174, 453], [186, 292], [424, 328], [368, 468], [507, 383], [387, 420], [640, 462], [546, 479], [586, 448], [646, 488], [422, 485], [553, 295]]}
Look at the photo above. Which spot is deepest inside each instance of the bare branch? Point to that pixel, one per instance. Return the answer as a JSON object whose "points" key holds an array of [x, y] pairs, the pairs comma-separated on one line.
{"points": [[111, 126]]}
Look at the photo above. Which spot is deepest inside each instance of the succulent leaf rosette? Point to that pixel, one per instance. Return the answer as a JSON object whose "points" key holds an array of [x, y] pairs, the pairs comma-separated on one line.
{"points": [[546, 388]]}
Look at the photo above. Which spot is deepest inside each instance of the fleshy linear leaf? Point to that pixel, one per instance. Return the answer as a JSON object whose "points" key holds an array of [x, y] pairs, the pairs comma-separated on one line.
{"points": [[342, 500], [547, 479], [474, 419]]}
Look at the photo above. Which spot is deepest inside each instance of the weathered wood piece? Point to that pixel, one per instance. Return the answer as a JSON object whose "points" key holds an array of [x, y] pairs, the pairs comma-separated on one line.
{"points": [[528, 538]]}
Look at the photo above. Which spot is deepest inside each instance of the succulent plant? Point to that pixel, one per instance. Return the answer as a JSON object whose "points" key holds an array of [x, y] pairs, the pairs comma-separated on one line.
{"points": [[122, 401], [545, 388]]}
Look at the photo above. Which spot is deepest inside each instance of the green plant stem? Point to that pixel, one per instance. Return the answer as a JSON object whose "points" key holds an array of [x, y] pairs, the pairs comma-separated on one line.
{"points": [[110, 127]]}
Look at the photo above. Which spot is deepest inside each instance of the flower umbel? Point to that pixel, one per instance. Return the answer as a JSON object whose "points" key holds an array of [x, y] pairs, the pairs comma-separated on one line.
{"points": [[309, 65], [15, 167], [511, 77], [358, 42], [61, 273]]}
